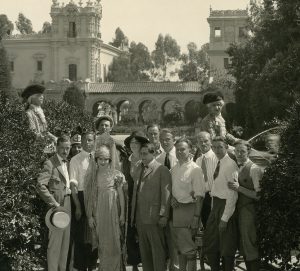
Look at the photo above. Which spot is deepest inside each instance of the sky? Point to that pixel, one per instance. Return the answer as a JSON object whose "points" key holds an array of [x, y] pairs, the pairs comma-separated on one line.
{"points": [[140, 20]]}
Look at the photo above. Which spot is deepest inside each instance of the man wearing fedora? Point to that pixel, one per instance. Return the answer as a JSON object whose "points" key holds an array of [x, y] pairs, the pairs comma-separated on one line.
{"points": [[213, 122], [53, 186], [34, 98]]}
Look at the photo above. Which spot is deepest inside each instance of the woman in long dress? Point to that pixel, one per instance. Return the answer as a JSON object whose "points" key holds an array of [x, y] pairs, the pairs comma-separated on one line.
{"points": [[105, 208]]}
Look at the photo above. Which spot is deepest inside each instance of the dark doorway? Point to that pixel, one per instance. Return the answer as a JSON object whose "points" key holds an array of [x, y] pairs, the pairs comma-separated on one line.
{"points": [[73, 72]]}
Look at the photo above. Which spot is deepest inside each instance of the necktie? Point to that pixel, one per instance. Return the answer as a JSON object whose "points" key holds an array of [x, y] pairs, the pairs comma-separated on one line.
{"points": [[90, 156], [65, 161], [204, 169], [137, 190], [216, 173], [167, 161]]}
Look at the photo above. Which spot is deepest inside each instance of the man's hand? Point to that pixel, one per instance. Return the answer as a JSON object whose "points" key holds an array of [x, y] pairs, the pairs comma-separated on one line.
{"points": [[92, 223], [222, 226], [174, 203], [233, 185], [162, 222], [78, 213]]}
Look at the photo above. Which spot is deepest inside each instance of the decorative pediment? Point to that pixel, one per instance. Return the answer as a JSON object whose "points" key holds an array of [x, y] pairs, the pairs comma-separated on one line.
{"points": [[39, 56]]}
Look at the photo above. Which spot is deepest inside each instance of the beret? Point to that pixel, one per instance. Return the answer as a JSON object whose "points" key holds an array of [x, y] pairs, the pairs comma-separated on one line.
{"points": [[213, 97], [104, 117], [31, 90]]}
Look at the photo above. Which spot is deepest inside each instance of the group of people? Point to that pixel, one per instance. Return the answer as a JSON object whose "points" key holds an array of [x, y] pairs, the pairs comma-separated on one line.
{"points": [[145, 202]]}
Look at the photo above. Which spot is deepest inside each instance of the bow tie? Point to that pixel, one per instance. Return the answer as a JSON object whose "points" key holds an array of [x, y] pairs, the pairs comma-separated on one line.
{"points": [[65, 160]]}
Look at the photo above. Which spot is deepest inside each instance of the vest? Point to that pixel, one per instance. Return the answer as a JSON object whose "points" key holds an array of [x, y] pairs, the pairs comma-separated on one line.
{"points": [[245, 180]]}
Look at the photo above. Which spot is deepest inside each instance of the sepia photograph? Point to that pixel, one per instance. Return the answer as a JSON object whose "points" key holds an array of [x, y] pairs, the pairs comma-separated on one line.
{"points": [[141, 135]]}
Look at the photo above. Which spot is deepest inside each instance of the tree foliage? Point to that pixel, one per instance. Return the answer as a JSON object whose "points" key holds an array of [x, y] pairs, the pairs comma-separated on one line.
{"points": [[140, 61], [120, 39], [166, 52], [47, 27], [23, 234], [132, 66], [279, 204], [119, 70], [195, 64], [74, 96], [6, 26], [24, 25], [266, 66]]}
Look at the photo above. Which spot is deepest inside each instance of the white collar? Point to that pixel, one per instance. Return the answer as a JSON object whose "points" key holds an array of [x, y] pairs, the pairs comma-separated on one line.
{"points": [[208, 154]]}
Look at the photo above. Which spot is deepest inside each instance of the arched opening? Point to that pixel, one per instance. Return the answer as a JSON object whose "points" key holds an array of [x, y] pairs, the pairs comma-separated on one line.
{"points": [[148, 112], [125, 113], [172, 112]]}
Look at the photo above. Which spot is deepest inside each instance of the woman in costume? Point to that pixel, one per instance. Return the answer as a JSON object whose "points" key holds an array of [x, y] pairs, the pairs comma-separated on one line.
{"points": [[105, 207]]}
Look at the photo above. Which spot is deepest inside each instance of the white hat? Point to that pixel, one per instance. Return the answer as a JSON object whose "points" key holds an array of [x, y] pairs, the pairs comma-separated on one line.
{"points": [[58, 218]]}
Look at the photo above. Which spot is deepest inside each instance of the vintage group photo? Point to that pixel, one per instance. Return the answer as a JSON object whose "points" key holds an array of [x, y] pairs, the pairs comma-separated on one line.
{"points": [[155, 135]]}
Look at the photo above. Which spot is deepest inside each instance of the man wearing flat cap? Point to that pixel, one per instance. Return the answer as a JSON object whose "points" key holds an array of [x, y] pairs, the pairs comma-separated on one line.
{"points": [[33, 96], [214, 123]]}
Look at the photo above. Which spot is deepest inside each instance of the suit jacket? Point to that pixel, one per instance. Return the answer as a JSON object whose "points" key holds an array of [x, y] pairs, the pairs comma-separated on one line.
{"points": [[51, 182], [153, 198]]}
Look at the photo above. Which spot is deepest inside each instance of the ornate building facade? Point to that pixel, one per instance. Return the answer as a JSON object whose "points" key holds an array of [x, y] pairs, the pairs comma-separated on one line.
{"points": [[226, 27], [72, 50]]}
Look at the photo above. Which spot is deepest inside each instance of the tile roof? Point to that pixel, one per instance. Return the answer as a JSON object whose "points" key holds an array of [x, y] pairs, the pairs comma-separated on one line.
{"points": [[141, 87]]}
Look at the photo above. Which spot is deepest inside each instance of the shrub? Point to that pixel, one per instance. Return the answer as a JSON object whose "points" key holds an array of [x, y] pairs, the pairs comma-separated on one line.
{"points": [[23, 235], [279, 206], [74, 96]]}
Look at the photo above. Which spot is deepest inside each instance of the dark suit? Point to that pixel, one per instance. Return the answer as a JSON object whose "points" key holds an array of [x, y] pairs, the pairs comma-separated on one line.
{"points": [[52, 188], [149, 203]]}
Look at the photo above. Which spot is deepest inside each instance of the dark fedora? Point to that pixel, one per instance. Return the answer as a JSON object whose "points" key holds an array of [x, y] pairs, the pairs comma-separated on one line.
{"points": [[213, 97], [138, 135], [104, 117], [58, 218], [31, 90]]}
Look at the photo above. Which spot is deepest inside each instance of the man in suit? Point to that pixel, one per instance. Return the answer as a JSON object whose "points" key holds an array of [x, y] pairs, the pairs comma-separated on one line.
{"points": [[53, 186], [150, 208]]}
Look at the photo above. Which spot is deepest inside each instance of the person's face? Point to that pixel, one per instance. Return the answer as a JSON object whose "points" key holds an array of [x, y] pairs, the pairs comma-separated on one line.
{"points": [[182, 151], [63, 149], [135, 146], [104, 126], [146, 156], [219, 148], [215, 108], [37, 99], [167, 141], [241, 153], [204, 143], [88, 142], [103, 160], [153, 134], [75, 149]]}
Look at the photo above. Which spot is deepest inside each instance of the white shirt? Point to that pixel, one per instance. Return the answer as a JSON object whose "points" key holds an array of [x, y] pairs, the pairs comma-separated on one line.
{"points": [[78, 167], [256, 174], [65, 170], [187, 179], [210, 162], [228, 173], [172, 157]]}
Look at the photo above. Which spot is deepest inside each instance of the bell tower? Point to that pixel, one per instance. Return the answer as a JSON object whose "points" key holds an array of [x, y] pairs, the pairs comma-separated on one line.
{"points": [[76, 39]]}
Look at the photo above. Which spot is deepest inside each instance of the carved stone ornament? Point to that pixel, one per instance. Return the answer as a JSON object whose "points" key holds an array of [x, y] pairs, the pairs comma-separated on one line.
{"points": [[55, 3]]}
